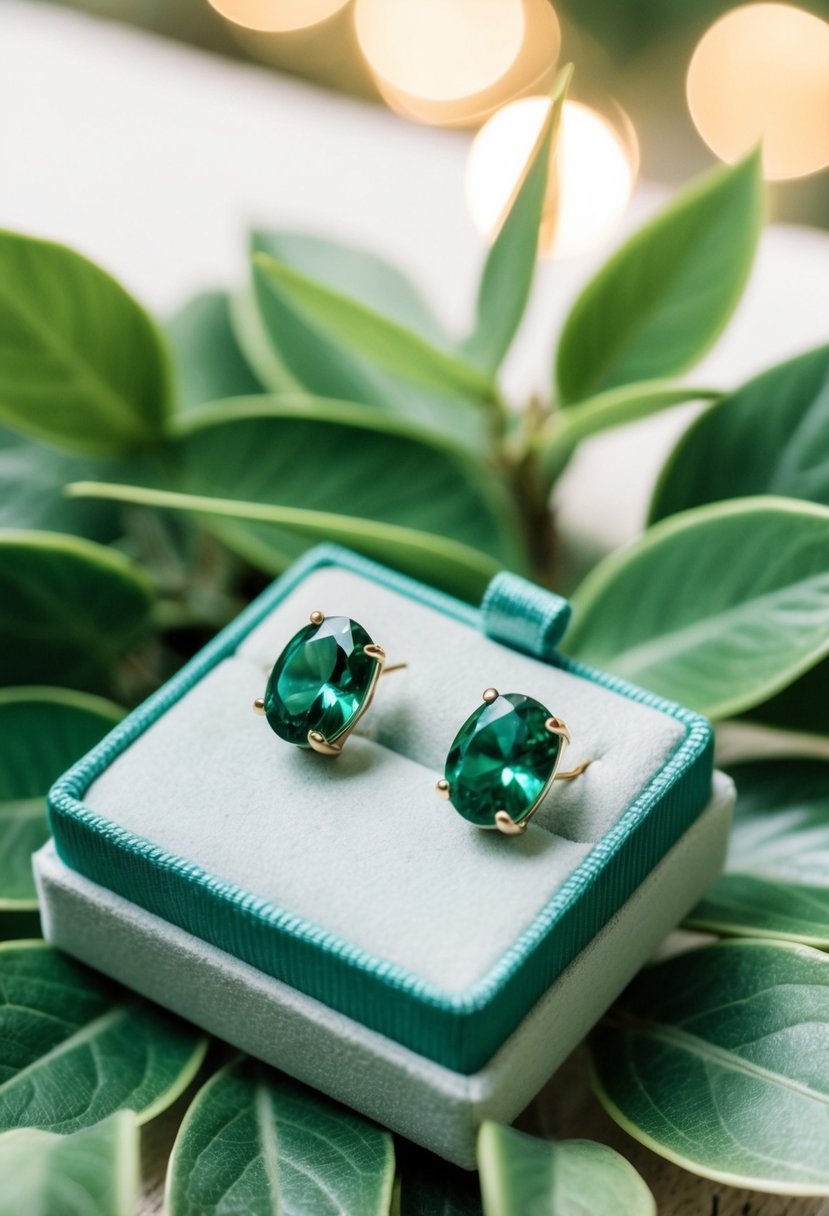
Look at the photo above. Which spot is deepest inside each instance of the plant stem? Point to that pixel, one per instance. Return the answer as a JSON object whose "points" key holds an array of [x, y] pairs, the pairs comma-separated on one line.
{"points": [[531, 493], [537, 518]]}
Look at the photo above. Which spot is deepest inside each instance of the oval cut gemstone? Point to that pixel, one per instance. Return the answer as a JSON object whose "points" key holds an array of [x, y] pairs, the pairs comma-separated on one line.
{"points": [[320, 681], [501, 759]]}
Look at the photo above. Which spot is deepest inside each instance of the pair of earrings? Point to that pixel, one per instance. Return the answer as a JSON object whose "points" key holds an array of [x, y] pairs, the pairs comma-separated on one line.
{"points": [[501, 764]]}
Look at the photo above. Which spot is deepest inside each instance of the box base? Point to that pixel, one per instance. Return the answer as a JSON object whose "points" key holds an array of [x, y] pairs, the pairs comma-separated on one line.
{"points": [[432, 1105]]}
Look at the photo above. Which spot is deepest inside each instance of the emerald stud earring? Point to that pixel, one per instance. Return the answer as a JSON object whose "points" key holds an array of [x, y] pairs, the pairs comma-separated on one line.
{"points": [[503, 761], [322, 683]]}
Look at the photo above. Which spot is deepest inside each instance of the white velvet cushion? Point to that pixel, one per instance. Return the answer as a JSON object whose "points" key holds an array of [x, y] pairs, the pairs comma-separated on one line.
{"points": [[361, 845]]}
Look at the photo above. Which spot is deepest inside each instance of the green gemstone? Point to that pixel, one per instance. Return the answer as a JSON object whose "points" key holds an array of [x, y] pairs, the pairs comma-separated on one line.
{"points": [[501, 760], [320, 681]]}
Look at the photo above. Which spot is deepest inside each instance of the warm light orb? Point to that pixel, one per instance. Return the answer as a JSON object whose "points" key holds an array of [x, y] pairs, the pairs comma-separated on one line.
{"points": [[277, 16], [531, 71], [762, 73], [594, 166], [439, 49]]}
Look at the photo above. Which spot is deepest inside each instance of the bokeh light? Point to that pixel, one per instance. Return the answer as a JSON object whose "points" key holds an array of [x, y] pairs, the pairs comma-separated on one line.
{"points": [[762, 73], [531, 71], [439, 50], [591, 178], [277, 16]]}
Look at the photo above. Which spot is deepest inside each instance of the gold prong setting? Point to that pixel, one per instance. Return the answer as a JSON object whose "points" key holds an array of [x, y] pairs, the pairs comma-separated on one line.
{"points": [[349, 664], [324, 747], [530, 766], [507, 825], [556, 727]]}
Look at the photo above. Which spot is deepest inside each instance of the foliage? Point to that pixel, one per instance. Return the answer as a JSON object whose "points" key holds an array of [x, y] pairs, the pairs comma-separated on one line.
{"points": [[92, 1172], [261, 1143], [74, 1048], [774, 883], [152, 480], [709, 632], [44, 730], [521, 1173], [717, 1059]]}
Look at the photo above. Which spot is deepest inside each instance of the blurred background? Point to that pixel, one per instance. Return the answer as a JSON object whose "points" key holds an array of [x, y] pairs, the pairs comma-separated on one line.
{"points": [[402, 127], [661, 84]]}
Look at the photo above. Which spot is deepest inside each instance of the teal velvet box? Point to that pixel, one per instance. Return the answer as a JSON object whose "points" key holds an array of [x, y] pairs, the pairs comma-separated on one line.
{"points": [[144, 812]]}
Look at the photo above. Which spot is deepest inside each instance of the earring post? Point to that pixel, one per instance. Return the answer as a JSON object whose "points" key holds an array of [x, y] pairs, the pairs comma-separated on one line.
{"points": [[572, 773]]}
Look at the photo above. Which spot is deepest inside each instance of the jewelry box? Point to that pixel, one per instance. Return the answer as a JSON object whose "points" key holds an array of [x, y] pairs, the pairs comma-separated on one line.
{"points": [[332, 915]]}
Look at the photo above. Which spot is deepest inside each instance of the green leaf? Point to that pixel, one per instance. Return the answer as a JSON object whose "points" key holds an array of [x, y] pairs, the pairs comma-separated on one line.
{"points": [[370, 333], [331, 470], [256, 1141], [291, 352], [75, 1048], [666, 294], [93, 1172], [206, 355], [564, 430], [775, 880], [508, 272], [769, 437], [521, 1173], [354, 272], [717, 608], [717, 1060], [82, 365], [69, 609], [32, 480], [456, 567], [802, 707], [42, 732]]}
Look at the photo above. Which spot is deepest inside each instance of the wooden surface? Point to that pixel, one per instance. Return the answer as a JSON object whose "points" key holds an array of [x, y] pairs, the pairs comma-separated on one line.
{"points": [[565, 1109]]}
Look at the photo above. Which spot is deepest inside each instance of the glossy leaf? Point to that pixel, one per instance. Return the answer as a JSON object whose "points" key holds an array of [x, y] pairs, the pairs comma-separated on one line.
{"points": [[69, 609], [207, 359], [769, 437], [560, 435], [256, 1141], [456, 567], [93, 1172], [373, 335], [717, 608], [291, 352], [802, 707], [251, 320], [718, 1059], [521, 1173], [75, 1048], [42, 732], [32, 480], [82, 365], [663, 298], [329, 470], [776, 880], [355, 272], [508, 272]]}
